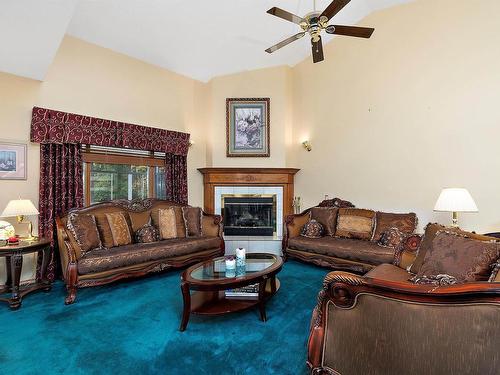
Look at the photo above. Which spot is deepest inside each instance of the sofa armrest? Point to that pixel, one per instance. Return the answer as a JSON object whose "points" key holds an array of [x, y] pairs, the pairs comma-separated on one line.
{"points": [[406, 253], [67, 253], [346, 292], [293, 226], [212, 225]]}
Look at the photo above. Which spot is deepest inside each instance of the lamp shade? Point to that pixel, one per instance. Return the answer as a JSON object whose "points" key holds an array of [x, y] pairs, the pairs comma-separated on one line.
{"points": [[19, 207], [455, 200]]}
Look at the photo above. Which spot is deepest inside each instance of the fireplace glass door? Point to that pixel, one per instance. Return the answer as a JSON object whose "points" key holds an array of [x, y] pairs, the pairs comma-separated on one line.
{"points": [[249, 215]]}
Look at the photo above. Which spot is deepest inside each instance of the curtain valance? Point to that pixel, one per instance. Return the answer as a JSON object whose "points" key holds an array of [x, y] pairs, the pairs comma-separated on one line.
{"points": [[51, 126]]}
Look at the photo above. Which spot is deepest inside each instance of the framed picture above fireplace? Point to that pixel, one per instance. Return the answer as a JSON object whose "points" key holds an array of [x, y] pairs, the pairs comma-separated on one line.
{"points": [[247, 127]]}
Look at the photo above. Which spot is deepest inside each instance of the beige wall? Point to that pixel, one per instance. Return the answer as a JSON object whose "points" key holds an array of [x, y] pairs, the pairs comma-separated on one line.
{"points": [[395, 118], [274, 83]]}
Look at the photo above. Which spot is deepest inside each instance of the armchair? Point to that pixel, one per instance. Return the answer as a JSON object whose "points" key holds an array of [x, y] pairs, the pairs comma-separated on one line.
{"points": [[382, 324]]}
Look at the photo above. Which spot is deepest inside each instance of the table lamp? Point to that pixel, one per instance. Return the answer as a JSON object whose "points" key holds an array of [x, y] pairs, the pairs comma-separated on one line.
{"points": [[455, 200], [21, 208]]}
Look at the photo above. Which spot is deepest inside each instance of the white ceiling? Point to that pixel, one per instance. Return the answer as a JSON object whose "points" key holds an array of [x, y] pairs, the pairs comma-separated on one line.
{"points": [[196, 38]]}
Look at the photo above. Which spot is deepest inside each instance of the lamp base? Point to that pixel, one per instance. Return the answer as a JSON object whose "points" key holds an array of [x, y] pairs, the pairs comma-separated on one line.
{"points": [[454, 219]]}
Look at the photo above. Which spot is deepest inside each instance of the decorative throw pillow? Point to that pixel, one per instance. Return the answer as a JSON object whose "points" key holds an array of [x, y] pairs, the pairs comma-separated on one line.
{"points": [[192, 220], [355, 223], [327, 217], [456, 255], [84, 230], [119, 229], [148, 233], [430, 232], [167, 223], [391, 238], [405, 223], [312, 229], [104, 230], [139, 219]]}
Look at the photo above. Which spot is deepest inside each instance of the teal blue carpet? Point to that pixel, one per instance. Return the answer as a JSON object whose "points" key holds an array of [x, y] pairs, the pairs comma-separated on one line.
{"points": [[132, 328]]}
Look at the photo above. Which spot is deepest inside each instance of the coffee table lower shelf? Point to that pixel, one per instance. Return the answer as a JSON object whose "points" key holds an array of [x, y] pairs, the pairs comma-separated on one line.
{"points": [[216, 302]]}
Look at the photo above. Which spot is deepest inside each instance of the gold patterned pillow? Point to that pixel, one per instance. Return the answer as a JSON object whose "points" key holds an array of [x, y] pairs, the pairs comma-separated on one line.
{"points": [[355, 223], [119, 229], [167, 223]]}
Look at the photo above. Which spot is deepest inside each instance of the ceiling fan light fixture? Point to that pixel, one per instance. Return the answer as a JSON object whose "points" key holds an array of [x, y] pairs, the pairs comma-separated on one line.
{"points": [[314, 23], [330, 29]]}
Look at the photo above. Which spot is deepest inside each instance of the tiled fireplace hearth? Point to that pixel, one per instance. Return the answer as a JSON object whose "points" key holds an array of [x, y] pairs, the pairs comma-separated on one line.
{"points": [[253, 203]]}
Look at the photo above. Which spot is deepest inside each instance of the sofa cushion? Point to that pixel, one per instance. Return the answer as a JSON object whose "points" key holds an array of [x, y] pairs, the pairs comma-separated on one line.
{"points": [[312, 229], [139, 219], [391, 238], [405, 223], [179, 220], [430, 233], [119, 229], [459, 257], [122, 256], [84, 230], [167, 223], [148, 233], [355, 223], [192, 219], [327, 217], [389, 272], [349, 249], [104, 230]]}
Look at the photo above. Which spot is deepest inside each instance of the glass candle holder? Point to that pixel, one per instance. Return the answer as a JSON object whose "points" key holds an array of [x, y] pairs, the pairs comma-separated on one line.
{"points": [[240, 257]]}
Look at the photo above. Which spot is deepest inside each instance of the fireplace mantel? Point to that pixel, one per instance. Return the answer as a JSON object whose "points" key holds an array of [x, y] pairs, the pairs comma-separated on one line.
{"points": [[279, 177]]}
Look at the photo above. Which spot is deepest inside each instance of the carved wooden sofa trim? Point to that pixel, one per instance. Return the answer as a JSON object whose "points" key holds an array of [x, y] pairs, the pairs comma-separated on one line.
{"points": [[342, 291], [69, 258]]}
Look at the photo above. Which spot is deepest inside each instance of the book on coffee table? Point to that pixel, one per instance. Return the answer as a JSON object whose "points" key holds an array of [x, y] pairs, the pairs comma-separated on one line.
{"points": [[245, 291]]}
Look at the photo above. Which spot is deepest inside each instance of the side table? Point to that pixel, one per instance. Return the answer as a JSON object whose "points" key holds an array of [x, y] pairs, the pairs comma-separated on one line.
{"points": [[13, 255]]}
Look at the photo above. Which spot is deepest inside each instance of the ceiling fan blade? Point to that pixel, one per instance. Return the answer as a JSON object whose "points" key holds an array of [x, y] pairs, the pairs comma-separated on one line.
{"points": [[360, 32], [334, 7], [285, 42], [278, 12], [317, 50]]}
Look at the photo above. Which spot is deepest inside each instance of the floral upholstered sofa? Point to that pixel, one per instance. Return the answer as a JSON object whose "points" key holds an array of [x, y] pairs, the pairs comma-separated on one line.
{"points": [[121, 239]]}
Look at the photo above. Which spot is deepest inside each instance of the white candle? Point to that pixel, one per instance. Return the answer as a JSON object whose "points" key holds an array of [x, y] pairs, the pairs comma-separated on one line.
{"points": [[240, 256], [240, 253], [230, 264]]}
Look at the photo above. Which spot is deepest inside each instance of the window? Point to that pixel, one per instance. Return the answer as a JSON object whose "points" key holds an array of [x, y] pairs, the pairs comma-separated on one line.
{"points": [[122, 174]]}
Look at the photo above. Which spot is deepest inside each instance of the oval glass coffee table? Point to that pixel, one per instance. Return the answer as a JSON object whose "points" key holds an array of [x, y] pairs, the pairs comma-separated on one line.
{"points": [[210, 282]]}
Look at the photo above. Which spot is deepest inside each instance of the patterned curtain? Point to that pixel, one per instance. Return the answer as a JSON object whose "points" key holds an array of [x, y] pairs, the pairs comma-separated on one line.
{"points": [[61, 188], [176, 178]]}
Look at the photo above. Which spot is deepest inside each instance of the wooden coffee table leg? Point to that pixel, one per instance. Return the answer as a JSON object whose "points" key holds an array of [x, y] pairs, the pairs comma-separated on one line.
{"points": [[186, 296], [273, 284], [262, 300]]}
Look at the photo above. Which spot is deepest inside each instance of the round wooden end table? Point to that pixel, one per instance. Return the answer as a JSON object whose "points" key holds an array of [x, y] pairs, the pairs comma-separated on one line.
{"points": [[13, 255], [209, 280]]}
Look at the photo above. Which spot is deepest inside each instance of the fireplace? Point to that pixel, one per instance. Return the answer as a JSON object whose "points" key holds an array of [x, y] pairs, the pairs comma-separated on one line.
{"points": [[249, 214]]}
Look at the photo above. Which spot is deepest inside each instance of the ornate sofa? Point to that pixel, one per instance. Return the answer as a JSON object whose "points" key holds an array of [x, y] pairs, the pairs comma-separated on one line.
{"points": [[382, 323], [354, 255], [107, 265]]}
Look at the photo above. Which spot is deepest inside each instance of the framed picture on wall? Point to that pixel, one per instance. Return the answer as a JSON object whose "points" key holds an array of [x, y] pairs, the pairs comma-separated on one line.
{"points": [[247, 127], [13, 160]]}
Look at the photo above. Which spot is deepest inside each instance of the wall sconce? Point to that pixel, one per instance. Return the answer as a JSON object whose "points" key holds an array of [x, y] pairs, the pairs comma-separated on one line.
{"points": [[191, 143], [307, 145]]}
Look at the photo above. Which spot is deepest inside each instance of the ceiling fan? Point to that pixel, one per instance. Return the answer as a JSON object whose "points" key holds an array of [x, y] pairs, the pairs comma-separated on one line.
{"points": [[314, 23]]}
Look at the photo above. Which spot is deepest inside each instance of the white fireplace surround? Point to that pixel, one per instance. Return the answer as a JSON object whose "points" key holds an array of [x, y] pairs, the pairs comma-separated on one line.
{"points": [[268, 190]]}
